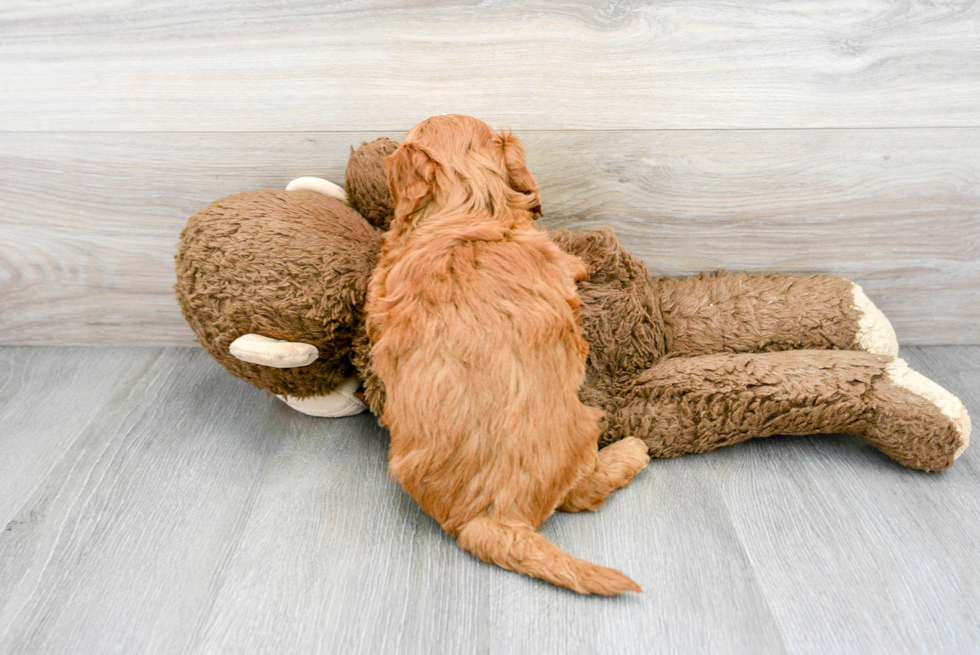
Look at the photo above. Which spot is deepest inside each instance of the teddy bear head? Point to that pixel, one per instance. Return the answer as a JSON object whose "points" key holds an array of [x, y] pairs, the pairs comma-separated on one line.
{"points": [[288, 265]]}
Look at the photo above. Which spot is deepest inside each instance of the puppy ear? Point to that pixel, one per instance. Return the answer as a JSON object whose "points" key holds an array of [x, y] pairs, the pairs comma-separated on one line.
{"points": [[521, 179], [411, 172]]}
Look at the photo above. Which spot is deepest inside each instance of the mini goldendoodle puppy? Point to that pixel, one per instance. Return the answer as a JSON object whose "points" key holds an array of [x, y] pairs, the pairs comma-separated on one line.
{"points": [[473, 318]]}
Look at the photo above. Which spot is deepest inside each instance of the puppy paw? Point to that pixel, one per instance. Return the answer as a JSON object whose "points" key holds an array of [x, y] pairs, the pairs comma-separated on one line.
{"points": [[614, 469], [875, 333], [624, 459]]}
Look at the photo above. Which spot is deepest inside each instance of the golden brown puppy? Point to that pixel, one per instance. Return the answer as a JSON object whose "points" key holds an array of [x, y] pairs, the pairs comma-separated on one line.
{"points": [[472, 314]]}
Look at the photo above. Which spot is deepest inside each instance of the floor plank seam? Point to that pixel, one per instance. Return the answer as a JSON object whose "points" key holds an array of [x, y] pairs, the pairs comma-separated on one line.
{"points": [[756, 578]]}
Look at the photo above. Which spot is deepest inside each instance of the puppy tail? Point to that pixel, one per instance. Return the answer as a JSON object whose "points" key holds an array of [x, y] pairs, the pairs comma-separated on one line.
{"points": [[519, 548]]}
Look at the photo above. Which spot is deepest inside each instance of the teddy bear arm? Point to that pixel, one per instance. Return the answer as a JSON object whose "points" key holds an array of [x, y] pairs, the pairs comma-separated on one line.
{"points": [[723, 312], [279, 353], [696, 404]]}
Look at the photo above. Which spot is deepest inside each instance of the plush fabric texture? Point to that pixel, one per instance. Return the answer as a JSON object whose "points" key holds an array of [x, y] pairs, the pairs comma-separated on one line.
{"points": [[687, 365], [622, 317], [290, 265], [368, 192], [743, 313], [697, 404]]}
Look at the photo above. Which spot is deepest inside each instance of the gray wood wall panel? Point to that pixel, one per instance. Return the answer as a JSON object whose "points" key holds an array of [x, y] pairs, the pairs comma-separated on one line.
{"points": [[551, 64], [89, 220]]}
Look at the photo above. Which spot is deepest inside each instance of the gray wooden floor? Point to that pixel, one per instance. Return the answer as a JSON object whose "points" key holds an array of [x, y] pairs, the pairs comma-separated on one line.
{"points": [[154, 504]]}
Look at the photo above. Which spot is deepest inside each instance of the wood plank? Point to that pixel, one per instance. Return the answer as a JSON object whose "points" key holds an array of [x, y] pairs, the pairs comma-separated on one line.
{"points": [[855, 553], [336, 558], [90, 220], [195, 514], [90, 223], [47, 399], [120, 547], [571, 64]]}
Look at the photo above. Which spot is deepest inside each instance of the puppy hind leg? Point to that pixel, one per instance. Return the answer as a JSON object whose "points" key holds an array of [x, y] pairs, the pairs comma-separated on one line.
{"points": [[614, 469]]}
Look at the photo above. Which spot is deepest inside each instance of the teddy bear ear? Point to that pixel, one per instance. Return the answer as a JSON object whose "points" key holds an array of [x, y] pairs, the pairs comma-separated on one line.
{"points": [[411, 172], [367, 185]]}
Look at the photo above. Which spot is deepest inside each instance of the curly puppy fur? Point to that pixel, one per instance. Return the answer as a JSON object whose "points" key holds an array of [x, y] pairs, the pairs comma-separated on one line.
{"points": [[472, 316]]}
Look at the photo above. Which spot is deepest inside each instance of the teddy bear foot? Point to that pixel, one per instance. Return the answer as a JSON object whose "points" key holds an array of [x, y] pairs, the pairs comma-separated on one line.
{"points": [[918, 424], [875, 333], [951, 406], [339, 402]]}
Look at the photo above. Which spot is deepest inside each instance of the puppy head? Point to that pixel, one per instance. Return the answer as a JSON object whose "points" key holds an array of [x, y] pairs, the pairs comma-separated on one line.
{"points": [[459, 160]]}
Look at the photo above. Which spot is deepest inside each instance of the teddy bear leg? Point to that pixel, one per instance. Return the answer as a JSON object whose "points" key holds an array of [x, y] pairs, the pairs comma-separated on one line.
{"points": [[697, 404], [614, 469], [917, 423], [725, 312]]}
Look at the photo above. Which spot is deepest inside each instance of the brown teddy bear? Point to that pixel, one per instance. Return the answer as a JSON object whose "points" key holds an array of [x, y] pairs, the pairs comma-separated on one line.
{"points": [[273, 285]]}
